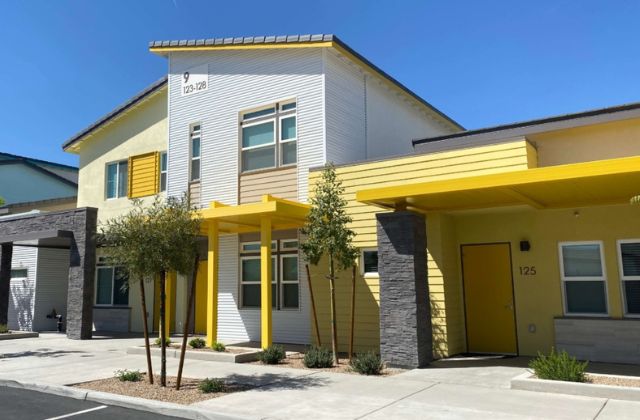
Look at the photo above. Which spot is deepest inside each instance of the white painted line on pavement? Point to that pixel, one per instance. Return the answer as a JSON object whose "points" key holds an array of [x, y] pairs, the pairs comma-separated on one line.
{"points": [[64, 416]]}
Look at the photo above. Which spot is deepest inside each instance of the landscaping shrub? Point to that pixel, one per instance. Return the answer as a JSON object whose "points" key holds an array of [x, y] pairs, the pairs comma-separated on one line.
{"points": [[272, 355], [197, 343], [158, 341], [126, 375], [368, 363], [318, 357], [559, 367], [217, 346], [210, 385], [4, 329]]}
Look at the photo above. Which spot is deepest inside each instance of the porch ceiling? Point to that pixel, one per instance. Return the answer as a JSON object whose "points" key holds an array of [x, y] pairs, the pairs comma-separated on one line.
{"points": [[612, 181], [243, 218]]}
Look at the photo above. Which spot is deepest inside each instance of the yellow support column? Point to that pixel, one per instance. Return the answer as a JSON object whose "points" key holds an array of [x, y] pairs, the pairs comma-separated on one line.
{"points": [[170, 304], [265, 282], [212, 284]]}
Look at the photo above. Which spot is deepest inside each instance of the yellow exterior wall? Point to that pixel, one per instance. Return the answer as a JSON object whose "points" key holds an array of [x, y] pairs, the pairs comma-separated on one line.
{"points": [[585, 144], [142, 130], [144, 174], [538, 299], [446, 296]]}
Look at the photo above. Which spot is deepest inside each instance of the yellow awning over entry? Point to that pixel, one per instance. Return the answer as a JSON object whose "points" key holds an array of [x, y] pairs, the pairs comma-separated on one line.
{"points": [[612, 181], [284, 214]]}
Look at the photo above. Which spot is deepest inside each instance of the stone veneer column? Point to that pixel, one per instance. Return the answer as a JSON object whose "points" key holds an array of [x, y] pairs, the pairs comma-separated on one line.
{"points": [[6, 253], [82, 266], [405, 318]]}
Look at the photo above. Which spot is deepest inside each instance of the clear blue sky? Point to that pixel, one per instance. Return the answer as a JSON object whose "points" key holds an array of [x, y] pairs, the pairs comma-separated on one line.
{"points": [[66, 63]]}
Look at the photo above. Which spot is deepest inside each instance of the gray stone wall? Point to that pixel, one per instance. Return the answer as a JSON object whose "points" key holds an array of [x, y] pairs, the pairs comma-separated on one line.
{"points": [[82, 223], [405, 318], [111, 319], [599, 340]]}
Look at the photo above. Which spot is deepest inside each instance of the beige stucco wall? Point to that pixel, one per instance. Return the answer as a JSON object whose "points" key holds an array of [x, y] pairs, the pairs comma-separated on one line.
{"points": [[585, 144], [140, 131]]}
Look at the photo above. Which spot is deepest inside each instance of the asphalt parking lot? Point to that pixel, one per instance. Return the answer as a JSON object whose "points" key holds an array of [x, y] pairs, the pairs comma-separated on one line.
{"points": [[22, 404]]}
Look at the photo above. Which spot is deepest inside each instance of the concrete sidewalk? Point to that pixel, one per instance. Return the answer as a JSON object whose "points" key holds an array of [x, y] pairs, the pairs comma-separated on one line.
{"points": [[448, 389]]}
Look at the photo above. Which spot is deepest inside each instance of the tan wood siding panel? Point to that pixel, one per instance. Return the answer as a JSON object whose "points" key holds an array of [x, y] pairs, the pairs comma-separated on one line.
{"points": [[143, 175], [282, 183]]}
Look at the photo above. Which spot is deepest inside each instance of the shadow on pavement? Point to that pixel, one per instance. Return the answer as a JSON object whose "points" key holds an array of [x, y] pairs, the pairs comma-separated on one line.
{"points": [[39, 353], [272, 381]]}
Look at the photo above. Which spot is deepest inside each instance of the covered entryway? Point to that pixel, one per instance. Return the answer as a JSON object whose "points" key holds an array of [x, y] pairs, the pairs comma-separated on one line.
{"points": [[75, 229], [488, 298]]}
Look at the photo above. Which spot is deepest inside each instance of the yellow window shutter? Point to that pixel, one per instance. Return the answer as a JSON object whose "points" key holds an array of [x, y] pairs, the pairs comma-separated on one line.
{"points": [[143, 175]]}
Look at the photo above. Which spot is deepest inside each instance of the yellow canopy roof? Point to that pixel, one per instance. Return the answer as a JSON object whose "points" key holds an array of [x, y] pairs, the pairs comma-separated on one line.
{"points": [[284, 214], [612, 181]]}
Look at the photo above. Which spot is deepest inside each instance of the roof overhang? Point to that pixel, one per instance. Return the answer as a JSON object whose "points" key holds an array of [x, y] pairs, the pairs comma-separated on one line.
{"points": [[245, 218], [603, 182]]}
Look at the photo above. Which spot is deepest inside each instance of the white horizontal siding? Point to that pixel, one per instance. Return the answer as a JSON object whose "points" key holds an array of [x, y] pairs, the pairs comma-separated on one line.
{"points": [[22, 291], [52, 285], [393, 121], [345, 110], [240, 80]]}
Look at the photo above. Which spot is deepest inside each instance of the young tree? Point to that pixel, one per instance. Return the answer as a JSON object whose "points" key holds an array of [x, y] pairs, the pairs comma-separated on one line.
{"points": [[128, 242], [327, 234], [162, 239]]}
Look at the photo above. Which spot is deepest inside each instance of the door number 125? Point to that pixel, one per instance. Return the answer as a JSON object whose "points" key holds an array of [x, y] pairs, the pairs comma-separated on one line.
{"points": [[528, 270]]}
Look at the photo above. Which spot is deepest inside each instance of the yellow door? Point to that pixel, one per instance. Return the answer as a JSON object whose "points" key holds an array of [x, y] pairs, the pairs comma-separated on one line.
{"points": [[488, 295], [201, 299]]}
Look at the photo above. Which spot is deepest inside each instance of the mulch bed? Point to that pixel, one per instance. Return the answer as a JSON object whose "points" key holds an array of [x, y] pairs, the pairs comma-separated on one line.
{"points": [[232, 350], [613, 380], [296, 361], [188, 393]]}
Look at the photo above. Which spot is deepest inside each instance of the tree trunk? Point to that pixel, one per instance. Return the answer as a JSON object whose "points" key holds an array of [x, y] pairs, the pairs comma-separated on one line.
{"points": [[313, 307], [353, 309], [185, 334], [163, 335], [334, 330], [145, 329]]}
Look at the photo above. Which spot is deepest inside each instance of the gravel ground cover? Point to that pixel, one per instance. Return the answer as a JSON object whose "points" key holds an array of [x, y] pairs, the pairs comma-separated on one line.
{"points": [[188, 393], [613, 380], [296, 361], [232, 350]]}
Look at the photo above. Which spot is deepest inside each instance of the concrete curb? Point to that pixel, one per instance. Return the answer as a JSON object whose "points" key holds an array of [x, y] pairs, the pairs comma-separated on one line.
{"points": [[526, 382], [157, 407], [14, 335], [249, 356]]}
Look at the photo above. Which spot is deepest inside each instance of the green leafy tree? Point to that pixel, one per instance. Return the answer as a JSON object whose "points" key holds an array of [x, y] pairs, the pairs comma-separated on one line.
{"points": [[635, 200], [327, 234], [151, 241], [1, 201]]}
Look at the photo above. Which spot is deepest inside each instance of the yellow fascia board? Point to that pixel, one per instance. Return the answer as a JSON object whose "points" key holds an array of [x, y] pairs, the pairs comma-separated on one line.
{"points": [[319, 44], [269, 206], [506, 179]]}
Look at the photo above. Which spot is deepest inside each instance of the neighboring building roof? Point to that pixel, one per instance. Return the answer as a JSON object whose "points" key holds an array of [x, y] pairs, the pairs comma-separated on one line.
{"points": [[286, 41], [519, 129], [68, 175], [128, 105]]}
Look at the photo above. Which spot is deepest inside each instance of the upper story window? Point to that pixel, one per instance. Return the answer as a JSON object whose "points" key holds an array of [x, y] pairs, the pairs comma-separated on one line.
{"points": [[583, 278], [269, 137], [117, 179], [629, 260], [163, 171], [194, 136]]}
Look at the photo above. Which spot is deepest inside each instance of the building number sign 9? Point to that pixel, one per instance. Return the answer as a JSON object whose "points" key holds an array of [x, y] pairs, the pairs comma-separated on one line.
{"points": [[194, 80]]}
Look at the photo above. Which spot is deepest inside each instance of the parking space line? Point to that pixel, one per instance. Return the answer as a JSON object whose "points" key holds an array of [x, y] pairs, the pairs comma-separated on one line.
{"points": [[64, 416]]}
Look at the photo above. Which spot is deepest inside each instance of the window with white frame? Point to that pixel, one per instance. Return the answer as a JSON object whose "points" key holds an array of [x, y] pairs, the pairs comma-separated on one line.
{"points": [[163, 171], [19, 273], [369, 261], [285, 293], [583, 278], [195, 140], [629, 260], [269, 137], [111, 287], [117, 179]]}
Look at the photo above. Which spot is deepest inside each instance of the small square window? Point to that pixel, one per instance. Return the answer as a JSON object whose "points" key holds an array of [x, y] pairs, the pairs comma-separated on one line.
{"points": [[19, 273], [369, 261]]}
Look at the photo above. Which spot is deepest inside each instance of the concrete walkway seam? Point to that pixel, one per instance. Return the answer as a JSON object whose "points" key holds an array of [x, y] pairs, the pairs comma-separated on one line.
{"points": [[157, 407], [397, 401], [601, 409]]}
